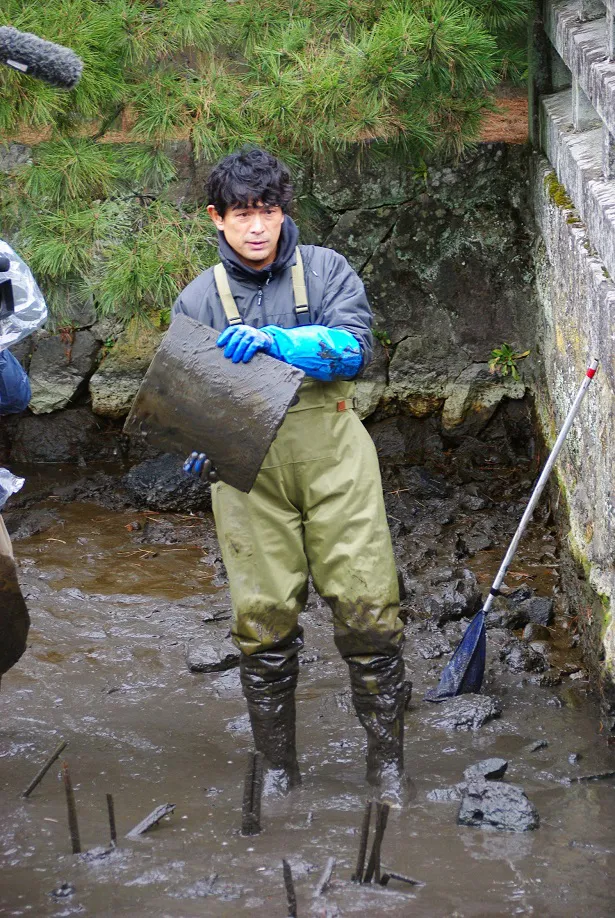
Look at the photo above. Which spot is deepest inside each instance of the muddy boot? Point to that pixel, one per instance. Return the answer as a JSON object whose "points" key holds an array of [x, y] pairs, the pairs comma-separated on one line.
{"points": [[379, 695], [269, 680]]}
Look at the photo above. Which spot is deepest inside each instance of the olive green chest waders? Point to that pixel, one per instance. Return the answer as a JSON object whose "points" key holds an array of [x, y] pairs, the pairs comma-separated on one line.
{"points": [[316, 508]]}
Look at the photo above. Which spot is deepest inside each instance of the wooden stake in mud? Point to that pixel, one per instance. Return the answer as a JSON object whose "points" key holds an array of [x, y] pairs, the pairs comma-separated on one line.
{"points": [[165, 809], [384, 880], [111, 812], [373, 866], [252, 793], [73, 825], [325, 879], [41, 774], [291, 897], [357, 877]]}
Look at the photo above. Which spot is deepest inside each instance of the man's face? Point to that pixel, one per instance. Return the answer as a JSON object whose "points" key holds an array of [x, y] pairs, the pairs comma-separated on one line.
{"points": [[253, 232]]}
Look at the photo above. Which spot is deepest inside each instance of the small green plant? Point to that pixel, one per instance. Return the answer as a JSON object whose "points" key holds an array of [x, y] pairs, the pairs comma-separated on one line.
{"points": [[504, 360], [383, 337]]}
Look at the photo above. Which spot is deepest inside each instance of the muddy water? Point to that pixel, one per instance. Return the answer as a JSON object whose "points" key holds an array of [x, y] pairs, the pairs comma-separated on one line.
{"points": [[105, 670]]}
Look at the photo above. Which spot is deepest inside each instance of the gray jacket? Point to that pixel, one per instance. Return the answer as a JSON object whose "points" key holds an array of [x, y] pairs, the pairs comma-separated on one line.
{"points": [[336, 296]]}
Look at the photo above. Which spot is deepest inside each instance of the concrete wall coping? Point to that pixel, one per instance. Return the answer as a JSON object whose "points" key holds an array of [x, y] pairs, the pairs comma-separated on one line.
{"points": [[577, 160], [583, 48]]}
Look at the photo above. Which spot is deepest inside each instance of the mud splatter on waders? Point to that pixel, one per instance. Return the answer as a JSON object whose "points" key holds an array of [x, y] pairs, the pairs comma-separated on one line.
{"points": [[316, 508]]}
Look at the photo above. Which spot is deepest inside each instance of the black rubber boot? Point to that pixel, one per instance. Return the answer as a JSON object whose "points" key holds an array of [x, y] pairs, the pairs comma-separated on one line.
{"points": [[269, 680], [379, 697]]}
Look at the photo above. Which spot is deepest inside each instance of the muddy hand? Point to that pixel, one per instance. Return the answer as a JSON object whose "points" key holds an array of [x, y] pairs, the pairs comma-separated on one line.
{"points": [[200, 466]]}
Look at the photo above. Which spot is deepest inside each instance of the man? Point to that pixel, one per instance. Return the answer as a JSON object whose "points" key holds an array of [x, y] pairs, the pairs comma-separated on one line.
{"points": [[316, 507]]}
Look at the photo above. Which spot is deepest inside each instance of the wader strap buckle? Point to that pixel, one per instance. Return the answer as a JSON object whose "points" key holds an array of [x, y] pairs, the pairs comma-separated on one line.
{"points": [[344, 404], [224, 291], [299, 289]]}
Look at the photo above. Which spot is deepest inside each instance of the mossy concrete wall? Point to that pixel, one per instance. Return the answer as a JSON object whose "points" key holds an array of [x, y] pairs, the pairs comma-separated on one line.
{"points": [[577, 323]]}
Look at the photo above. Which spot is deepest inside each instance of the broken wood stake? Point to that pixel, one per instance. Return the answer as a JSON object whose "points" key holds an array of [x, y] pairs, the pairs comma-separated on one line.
{"points": [[325, 879], [252, 793], [389, 875], [73, 825], [291, 897], [111, 812], [358, 874], [373, 866], [153, 819], [41, 774]]}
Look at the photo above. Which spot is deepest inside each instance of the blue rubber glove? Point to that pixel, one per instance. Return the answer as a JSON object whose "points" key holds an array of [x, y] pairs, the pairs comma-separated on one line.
{"points": [[321, 352], [198, 465], [241, 342]]}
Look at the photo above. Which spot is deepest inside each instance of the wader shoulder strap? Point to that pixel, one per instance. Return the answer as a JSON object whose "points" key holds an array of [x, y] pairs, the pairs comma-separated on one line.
{"points": [[299, 289], [224, 290]]}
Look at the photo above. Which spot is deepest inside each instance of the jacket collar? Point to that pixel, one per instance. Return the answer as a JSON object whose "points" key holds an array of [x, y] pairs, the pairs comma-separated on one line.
{"points": [[284, 259]]}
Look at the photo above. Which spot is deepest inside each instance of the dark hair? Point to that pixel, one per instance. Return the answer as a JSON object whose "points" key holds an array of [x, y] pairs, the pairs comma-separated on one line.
{"points": [[246, 177]]}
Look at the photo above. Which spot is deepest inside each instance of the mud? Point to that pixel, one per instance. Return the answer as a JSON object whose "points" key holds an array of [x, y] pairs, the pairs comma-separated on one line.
{"points": [[112, 617]]}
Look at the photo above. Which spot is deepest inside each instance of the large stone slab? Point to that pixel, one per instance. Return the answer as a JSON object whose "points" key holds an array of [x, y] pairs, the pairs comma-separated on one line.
{"points": [[116, 382], [60, 366], [193, 396]]}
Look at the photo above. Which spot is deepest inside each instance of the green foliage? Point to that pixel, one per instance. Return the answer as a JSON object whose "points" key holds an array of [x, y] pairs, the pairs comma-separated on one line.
{"points": [[300, 77], [504, 360], [383, 337]]}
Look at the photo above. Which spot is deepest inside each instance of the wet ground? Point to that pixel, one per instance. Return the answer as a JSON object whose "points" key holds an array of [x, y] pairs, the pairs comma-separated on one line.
{"points": [[117, 596]]}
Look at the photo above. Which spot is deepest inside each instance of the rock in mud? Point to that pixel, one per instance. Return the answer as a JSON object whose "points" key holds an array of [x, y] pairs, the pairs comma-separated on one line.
{"points": [[451, 794], [487, 770], [420, 482], [498, 805], [519, 657], [63, 891], [480, 538], [23, 524], [534, 632], [549, 679], [455, 596], [526, 607], [540, 610], [433, 646], [466, 712], [537, 745], [161, 484], [211, 657], [540, 647]]}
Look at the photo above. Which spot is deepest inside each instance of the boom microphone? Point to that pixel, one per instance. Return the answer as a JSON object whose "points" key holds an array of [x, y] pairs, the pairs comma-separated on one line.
{"points": [[44, 60]]}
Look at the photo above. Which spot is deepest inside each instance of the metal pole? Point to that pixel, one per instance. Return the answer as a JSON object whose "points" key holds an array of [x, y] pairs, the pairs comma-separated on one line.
{"points": [[591, 372]]}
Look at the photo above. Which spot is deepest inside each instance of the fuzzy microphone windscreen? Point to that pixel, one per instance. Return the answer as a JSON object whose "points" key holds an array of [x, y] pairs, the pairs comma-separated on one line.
{"points": [[44, 60]]}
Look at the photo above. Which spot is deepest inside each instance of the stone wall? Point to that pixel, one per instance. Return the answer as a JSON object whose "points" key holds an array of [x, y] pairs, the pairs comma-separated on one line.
{"points": [[574, 204], [445, 255], [577, 323]]}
